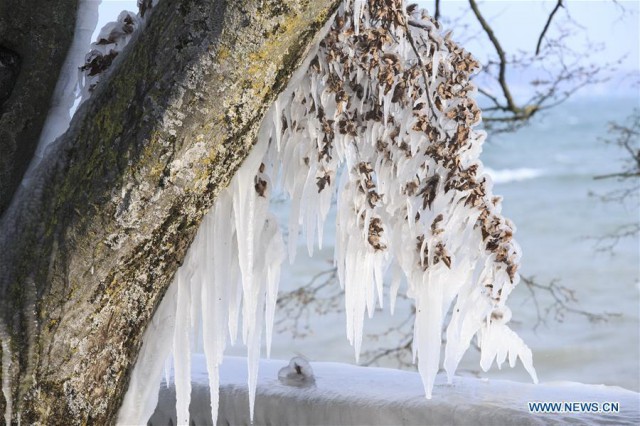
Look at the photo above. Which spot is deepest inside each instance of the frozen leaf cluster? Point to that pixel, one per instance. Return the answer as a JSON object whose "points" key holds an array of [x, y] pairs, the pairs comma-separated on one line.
{"points": [[111, 40], [388, 100]]}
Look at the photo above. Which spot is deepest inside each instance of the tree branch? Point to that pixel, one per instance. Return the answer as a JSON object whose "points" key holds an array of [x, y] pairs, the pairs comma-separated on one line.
{"points": [[546, 26], [423, 67], [622, 175], [503, 58]]}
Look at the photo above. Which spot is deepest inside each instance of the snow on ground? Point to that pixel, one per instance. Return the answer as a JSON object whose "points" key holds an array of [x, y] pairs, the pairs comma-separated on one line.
{"points": [[349, 395]]}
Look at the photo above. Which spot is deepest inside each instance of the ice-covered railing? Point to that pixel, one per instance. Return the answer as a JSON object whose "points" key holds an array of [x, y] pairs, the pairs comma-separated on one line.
{"points": [[388, 100], [381, 396]]}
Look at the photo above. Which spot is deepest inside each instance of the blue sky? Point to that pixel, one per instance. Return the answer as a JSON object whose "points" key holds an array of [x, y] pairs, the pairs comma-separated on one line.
{"points": [[517, 23]]}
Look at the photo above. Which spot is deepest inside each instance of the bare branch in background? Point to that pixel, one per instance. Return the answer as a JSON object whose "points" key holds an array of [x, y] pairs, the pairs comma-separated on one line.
{"points": [[460, 26], [563, 302], [436, 14], [620, 6], [560, 72], [546, 26], [511, 106], [608, 243], [626, 136], [322, 295], [401, 354]]}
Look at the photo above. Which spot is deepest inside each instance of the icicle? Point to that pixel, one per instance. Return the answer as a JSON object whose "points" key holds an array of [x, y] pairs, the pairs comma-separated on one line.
{"points": [[215, 300], [378, 277], [275, 254], [181, 352], [277, 123], [357, 14], [386, 106], [395, 285], [308, 211], [167, 372], [243, 209], [294, 219], [429, 317], [142, 395], [496, 340]]}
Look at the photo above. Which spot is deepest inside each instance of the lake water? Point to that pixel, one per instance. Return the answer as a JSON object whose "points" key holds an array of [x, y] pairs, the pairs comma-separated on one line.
{"points": [[545, 173]]}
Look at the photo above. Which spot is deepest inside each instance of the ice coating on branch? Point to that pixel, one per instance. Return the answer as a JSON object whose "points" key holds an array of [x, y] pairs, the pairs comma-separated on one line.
{"points": [[111, 40], [381, 116], [82, 71], [59, 114], [6, 377]]}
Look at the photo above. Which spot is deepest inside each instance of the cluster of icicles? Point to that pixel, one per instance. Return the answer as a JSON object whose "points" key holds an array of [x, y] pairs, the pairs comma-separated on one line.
{"points": [[388, 104]]}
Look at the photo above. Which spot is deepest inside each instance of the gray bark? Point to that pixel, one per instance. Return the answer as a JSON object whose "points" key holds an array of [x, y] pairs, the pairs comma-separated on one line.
{"points": [[88, 250], [34, 39]]}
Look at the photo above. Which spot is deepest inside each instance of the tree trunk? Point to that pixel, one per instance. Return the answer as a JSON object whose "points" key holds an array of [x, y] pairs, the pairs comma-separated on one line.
{"points": [[88, 250], [34, 39]]}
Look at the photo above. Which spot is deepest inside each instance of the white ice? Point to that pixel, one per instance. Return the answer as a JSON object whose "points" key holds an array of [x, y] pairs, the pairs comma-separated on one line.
{"points": [[297, 373], [349, 395], [64, 95], [6, 377]]}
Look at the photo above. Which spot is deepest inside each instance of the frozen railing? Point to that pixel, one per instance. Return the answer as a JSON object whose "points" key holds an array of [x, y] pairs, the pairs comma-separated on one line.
{"points": [[349, 395]]}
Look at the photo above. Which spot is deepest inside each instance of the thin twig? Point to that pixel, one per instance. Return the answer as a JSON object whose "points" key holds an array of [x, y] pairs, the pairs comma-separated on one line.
{"points": [[423, 67], [623, 175], [563, 302], [492, 98], [503, 57], [546, 26]]}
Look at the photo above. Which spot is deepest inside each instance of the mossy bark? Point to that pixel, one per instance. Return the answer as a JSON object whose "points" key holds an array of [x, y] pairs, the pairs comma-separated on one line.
{"points": [[89, 248]]}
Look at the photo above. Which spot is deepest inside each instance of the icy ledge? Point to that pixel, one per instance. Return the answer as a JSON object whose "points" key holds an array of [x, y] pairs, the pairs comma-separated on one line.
{"points": [[349, 395]]}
